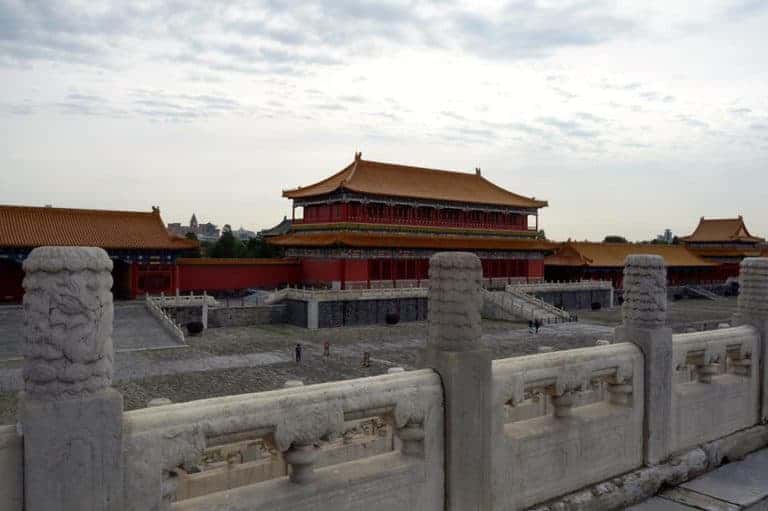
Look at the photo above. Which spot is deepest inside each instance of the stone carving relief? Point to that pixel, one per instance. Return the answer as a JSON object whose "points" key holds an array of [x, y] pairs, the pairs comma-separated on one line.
{"points": [[753, 287], [455, 301], [68, 321], [645, 292]]}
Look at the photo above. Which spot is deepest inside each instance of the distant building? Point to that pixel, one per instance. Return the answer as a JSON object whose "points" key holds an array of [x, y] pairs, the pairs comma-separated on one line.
{"points": [[203, 232], [724, 240], [576, 260], [667, 237], [244, 234], [376, 221], [283, 227]]}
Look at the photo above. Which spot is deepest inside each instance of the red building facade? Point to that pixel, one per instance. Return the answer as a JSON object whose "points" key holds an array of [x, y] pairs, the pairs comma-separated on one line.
{"points": [[377, 221], [143, 253]]}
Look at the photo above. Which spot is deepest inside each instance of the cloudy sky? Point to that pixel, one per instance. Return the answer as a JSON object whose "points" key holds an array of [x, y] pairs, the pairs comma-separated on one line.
{"points": [[628, 117]]}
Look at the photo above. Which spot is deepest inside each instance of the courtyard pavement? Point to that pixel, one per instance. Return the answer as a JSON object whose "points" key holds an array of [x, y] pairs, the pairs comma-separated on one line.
{"points": [[236, 360]]}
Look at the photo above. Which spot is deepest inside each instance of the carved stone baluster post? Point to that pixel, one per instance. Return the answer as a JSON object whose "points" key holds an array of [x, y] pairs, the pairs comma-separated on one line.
{"points": [[753, 310], [299, 432], [644, 323], [71, 418], [454, 350]]}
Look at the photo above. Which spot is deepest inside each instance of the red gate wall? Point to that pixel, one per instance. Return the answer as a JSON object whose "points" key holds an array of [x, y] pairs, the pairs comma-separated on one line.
{"points": [[233, 274]]}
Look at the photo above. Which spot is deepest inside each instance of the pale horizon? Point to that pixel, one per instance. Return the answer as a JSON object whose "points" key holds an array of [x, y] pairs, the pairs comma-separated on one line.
{"points": [[627, 120]]}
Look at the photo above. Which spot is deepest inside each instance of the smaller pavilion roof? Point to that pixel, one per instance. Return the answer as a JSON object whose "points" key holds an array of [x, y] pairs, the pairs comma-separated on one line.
{"points": [[721, 230], [389, 179], [282, 228], [378, 240], [612, 255], [28, 226]]}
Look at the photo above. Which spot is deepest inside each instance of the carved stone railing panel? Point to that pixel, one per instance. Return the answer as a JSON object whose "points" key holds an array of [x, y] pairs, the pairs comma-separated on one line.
{"points": [[580, 421], [716, 386], [295, 421]]}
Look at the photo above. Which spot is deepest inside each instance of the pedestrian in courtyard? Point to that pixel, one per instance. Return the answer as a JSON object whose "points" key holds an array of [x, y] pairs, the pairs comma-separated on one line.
{"points": [[326, 349], [366, 359], [530, 326], [298, 350], [537, 324]]}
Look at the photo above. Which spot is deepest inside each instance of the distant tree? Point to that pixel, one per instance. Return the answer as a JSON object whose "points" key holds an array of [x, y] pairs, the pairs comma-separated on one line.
{"points": [[615, 239], [206, 248], [227, 245], [191, 236], [258, 248], [675, 240], [540, 235]]}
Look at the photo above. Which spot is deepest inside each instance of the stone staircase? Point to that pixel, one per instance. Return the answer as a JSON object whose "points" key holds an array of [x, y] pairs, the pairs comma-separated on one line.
{"points": [[704, 293], [511, 305]]}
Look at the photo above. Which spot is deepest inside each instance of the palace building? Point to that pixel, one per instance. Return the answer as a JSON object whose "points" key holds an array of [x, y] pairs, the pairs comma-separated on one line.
{"points": [[375, 221], [725, 241], [584, 260], [143, 253]]}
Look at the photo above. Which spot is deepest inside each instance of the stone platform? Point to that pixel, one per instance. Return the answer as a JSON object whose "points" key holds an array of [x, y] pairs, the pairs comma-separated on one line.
{"points": [[737, 486]]}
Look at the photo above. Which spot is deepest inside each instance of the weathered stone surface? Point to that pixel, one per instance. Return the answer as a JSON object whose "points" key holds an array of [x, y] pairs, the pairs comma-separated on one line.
{"points": [[455, 281], [11, 469], [72, 422], [645, 292], [68, 322], [455, 352], [595, 432], [715, 391], [753, 287], [753, 311], [624, 490], [73, 452]]}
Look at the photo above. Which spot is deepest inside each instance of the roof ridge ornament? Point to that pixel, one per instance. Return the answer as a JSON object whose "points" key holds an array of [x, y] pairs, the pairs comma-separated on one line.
{"points": [[358, 155]]}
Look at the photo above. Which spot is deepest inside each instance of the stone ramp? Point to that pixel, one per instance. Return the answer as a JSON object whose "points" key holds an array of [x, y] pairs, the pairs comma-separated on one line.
{"points": [[704, 293], [134, 328], [513, 306], [737, 486]]}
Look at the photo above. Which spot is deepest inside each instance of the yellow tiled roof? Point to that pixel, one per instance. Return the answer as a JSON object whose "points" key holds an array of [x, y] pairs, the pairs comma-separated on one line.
{"points": [[612, 255], [721, 229], [371, 240], [415, 182], [27, 226]]}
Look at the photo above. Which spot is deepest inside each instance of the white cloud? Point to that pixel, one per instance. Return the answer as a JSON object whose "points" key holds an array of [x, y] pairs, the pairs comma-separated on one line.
{"points": [[223, 104]]}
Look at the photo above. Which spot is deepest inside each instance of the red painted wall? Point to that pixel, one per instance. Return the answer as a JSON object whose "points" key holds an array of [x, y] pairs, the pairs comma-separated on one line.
{"points": [[222, 277], [356, 269], [535, 268], [314, 271]]}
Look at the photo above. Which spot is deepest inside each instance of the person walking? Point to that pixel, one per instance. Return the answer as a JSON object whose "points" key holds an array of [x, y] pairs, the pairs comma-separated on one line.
{"points": [[326, 349], [298, 350]]}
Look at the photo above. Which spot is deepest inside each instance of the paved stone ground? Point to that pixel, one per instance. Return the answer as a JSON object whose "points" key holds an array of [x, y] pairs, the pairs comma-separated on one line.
{"points": [[236, 360], [11, 318], [134, 328], [742, 485], [680, 312]]}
